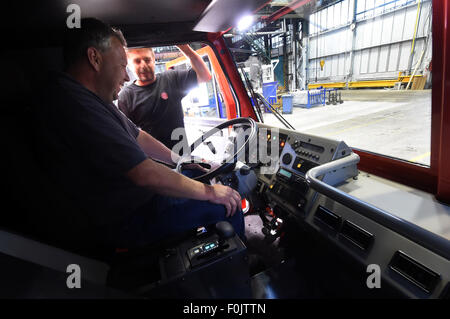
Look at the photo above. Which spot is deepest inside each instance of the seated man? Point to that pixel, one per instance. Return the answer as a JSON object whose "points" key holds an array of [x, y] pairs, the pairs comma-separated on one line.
{"points": [[104, 163]]}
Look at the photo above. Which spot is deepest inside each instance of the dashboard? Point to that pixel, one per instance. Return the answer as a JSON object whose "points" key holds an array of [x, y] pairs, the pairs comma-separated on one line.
{"points": [[298, 153], [315, 181]]}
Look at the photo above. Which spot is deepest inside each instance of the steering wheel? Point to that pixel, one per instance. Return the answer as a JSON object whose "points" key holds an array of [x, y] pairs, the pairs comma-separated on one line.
{"points": [[228, 164]]}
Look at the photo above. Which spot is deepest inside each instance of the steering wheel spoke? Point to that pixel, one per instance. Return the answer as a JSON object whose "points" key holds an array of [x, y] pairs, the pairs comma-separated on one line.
{"points": [[228, 164]]}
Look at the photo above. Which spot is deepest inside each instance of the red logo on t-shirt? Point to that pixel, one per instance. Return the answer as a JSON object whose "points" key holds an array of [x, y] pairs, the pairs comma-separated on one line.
{"points": [[164, 96]]}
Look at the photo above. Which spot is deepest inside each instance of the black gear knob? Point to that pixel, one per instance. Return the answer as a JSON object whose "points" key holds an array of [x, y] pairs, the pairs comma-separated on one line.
{"points": [[225, 230]]}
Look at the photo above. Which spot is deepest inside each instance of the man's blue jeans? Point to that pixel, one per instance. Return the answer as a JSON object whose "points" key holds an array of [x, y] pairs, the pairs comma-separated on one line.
{"points": [[165, 216]]}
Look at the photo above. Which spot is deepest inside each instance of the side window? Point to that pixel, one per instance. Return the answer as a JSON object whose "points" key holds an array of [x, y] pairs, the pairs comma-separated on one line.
{"points": [[205, 103], [203, 100], [208, 99]]}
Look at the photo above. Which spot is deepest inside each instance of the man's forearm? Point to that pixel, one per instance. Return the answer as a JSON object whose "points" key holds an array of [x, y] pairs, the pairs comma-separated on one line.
{"points": [[197, 63], [164, 181], [155, 149]]}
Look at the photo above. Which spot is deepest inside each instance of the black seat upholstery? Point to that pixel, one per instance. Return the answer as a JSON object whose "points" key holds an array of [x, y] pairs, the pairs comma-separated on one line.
{"points": [[34, 202]]}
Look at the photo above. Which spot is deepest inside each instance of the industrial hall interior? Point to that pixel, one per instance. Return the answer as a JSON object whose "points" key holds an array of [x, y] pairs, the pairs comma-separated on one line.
{"points": [[352, 70]]}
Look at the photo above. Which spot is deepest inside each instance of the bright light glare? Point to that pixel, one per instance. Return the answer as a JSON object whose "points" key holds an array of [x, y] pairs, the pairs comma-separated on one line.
{"points": [[245, 22]]}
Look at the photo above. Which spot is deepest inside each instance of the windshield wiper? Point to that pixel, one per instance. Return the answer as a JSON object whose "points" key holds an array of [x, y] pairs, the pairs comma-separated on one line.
{"points": [[256, 108], [249, 86], [275, 112]]}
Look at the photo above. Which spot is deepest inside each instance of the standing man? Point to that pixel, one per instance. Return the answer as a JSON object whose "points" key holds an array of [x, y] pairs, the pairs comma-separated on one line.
{"points": [[153, 101]]}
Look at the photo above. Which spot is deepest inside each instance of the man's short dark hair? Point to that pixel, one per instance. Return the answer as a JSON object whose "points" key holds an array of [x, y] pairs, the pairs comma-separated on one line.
{"points": [[92, 33]]}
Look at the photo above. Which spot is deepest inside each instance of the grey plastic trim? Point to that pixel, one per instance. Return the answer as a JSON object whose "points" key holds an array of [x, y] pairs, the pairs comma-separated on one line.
{"points": [[423, 237], [52, 257]]}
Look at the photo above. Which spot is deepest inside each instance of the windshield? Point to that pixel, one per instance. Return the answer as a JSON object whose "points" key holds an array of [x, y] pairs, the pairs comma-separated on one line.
{"points": [[351, 70]]}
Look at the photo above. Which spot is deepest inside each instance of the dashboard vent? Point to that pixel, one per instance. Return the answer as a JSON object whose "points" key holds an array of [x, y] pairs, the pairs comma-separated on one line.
{"points": [[329, 218], [415, 272], [358, 236]]}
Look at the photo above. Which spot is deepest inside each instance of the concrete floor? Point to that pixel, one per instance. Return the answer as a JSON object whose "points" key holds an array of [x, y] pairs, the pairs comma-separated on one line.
{"points": [[389, 122]]}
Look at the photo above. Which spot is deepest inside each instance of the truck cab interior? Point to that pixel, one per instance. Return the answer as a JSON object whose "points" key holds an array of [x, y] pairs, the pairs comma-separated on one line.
{"points": [[322, 218]]}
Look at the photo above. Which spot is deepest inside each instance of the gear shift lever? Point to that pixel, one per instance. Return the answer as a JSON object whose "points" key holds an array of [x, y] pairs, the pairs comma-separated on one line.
{"points": [[225, 231]]}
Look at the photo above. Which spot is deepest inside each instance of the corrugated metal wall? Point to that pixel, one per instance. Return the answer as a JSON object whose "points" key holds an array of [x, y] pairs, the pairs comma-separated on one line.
{"points": [[376, 46]]}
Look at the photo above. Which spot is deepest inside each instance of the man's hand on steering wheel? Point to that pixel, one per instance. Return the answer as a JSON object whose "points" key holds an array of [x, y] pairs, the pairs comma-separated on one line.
{"points": [[226, 165], [219, 194], [195, 166]]}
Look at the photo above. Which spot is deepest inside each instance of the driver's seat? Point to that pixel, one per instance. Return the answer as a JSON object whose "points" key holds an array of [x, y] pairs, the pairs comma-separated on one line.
{"points": [[31, 200]]}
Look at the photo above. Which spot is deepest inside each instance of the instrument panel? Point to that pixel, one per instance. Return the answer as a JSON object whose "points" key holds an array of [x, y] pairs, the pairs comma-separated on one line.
{"points": [[292, 155]]}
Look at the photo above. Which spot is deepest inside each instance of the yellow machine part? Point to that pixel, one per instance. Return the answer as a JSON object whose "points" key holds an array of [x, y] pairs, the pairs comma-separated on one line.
{"points": [[364, 84]]}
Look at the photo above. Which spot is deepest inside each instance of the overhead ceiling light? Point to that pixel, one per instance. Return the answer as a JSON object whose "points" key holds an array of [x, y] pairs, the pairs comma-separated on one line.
{"points": [[245, 22]]}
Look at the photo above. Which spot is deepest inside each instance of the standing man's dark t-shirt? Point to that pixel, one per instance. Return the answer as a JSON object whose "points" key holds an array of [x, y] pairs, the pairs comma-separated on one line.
{"points": [[87, 146], [156, 108]]}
